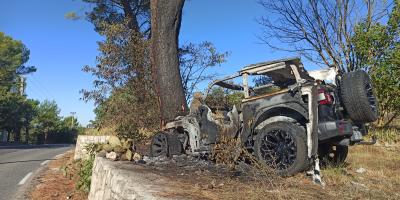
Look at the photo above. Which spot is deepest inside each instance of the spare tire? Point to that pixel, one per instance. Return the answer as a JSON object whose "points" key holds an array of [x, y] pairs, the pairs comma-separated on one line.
{"points": [[357, 97]]}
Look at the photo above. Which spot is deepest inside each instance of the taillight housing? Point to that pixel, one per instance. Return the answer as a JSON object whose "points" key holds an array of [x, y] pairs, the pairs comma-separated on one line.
{"points": [[324, 97]]}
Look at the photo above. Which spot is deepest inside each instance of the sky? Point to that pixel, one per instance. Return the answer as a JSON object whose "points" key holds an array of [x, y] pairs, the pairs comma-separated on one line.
{"points": [[60, 47]]}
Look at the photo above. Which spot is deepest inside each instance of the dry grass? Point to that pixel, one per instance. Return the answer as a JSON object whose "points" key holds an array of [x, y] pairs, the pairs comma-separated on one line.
{"points": [[381, 180], [102, 131], [386, 135]]}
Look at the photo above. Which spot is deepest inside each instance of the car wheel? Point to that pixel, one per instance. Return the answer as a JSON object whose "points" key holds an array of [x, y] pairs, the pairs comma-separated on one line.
{"points": [[282, 146], [159, 145], [332, 154], [358, 98]]}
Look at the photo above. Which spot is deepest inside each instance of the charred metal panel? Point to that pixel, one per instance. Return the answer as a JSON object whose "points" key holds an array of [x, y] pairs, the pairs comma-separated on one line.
{"points": [[256, 111], [310, 91]]}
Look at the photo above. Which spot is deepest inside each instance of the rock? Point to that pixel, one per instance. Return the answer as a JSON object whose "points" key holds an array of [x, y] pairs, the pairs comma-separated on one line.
{"points": [[128, 155], [146, 159], [136, 157], [123, 157], [111, 156], [361, 170], [102, 153], [141, 162], [127, 145], [114, 141], [119, 149], [107, 147]]}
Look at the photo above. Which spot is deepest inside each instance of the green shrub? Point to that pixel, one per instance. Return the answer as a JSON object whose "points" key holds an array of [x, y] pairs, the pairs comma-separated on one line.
{"points": [[85, 174]]}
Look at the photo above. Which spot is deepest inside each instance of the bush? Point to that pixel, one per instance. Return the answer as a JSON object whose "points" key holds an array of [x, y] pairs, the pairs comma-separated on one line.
{"points": [[385, 135], [85, 174]]}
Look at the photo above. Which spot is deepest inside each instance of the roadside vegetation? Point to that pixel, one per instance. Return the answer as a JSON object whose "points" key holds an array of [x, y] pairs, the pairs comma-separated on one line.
{"points": [[60, 180], [24, 120]]}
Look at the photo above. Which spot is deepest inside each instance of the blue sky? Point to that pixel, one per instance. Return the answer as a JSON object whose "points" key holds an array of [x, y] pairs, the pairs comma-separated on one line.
{"points": [[60, 47]]}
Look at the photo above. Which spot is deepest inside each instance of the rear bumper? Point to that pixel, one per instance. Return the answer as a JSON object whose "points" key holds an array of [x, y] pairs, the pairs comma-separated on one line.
{"points": [[331, 129]]}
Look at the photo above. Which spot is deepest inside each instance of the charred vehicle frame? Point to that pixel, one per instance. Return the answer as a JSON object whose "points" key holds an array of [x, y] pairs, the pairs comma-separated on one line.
{"points": [[304, 118]]}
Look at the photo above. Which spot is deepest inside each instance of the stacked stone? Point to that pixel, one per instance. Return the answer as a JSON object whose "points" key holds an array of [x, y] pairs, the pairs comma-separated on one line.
{"points": [[84, 140], [120, 149]]}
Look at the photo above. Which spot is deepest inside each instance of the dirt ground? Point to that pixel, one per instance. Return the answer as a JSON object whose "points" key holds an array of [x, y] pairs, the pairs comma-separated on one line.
{"points": [[371, 172], [56, 183]]}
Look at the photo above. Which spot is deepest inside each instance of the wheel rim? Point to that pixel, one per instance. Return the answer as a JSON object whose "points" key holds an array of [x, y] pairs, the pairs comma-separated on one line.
{"points": [[371, 96], [278, 149], [159, 145]]}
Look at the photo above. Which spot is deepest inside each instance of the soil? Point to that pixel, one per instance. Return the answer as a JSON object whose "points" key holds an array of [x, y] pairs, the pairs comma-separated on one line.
{"points": [[199, 179], [56, 183], [193, 178]]}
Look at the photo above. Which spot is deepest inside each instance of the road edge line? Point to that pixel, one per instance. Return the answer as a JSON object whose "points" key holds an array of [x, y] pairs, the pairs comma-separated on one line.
{"points": [[25, 178]]}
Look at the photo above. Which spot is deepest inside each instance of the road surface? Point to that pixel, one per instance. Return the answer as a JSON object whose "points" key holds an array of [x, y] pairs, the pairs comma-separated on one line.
{"points": [[19, 163]]}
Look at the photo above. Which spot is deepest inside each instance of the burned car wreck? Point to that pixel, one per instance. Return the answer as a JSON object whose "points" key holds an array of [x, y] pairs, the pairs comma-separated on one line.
{"points": [[290, 128]]}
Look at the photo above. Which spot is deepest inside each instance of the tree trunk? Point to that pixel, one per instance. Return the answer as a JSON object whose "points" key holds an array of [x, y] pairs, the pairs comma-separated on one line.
{"points": [[17, 135], [165, 24], [8, 135], [27, 134]]}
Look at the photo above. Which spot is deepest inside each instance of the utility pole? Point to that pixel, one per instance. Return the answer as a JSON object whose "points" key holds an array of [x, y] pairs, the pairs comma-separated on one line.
{"points": [[22, 86], [72, 119]]}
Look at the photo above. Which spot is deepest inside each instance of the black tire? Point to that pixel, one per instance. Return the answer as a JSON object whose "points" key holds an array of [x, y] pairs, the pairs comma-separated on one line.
{"points": [[332, 154], [358, 98], [159, 145], [288, 156]]}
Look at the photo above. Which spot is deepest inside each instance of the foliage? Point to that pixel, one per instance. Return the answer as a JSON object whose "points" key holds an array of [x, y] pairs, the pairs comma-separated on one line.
{"points": [[137, 12], [378, 51], [223, 99], [123, 90], [13, 56], [319, 30], [347, 34], [385, 135], [47, 126], [16, 111], [124, 86], [195, 60], [85, 174], [127, 110], [47, 118]]}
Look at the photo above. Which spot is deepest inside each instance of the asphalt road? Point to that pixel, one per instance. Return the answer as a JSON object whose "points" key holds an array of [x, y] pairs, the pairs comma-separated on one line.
{"points": [[19, 163]]}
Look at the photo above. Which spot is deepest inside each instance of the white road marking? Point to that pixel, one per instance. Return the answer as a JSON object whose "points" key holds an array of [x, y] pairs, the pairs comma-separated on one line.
{"points": [[58, 156], [44, 162], [25, 178]]}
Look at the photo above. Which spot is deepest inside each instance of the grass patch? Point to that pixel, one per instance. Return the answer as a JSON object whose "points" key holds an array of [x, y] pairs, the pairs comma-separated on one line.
{"points": [[385, 135]]}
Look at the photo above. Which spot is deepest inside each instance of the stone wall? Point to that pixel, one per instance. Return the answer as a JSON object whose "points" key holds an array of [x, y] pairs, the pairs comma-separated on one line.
{"points": [[83, 140], [121, 180]]}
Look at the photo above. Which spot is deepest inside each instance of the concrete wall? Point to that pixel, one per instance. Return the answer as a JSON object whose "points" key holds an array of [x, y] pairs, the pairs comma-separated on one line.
{"points": [[83, 140], [121, 180]]}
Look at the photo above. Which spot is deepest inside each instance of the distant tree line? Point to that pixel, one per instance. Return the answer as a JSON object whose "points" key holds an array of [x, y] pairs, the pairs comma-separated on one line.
{"points": [[23, 119]]}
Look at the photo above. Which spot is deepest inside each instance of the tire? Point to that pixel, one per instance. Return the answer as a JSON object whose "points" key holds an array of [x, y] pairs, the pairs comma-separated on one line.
{"points": [[159, 145], [165, 144], [357, 96], [332, 154], [288, 156]]}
